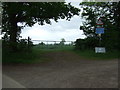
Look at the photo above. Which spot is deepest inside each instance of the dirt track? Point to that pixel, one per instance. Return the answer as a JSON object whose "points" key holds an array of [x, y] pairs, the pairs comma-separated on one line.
{"points": [[66, 70]]}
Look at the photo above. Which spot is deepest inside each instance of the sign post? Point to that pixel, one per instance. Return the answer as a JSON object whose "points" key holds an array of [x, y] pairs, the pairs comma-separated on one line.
{"points": [[99, 31]]}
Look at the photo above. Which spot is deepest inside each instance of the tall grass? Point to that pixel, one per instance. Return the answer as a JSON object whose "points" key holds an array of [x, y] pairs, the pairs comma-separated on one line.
{"points": [[34, 56]]}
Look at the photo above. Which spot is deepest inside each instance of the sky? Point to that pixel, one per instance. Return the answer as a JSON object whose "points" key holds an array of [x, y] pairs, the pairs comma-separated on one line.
{"points": [[69, 30]]}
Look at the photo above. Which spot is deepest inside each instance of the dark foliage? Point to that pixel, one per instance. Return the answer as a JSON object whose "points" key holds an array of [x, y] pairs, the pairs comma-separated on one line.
{"points": [[88, 43], [30, 13], [109, 12]]}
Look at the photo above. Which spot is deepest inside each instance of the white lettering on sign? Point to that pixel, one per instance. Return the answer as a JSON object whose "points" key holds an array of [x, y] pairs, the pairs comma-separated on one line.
{"points": [[100, 50]]}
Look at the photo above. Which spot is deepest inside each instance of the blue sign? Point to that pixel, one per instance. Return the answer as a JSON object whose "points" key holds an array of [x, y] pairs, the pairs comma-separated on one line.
{"points": [[99, 30]]}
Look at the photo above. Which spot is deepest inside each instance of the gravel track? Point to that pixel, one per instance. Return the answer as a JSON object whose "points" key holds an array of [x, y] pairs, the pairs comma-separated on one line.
{"points": [[65, 70]]}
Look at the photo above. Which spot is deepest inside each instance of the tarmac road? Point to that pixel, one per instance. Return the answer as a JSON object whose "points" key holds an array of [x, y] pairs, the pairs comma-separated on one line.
{"points": [[8, 82], [66, 70]]}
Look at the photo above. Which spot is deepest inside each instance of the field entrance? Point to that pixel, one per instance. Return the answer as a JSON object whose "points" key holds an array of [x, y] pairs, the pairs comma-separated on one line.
{"points": [[63, 68]]}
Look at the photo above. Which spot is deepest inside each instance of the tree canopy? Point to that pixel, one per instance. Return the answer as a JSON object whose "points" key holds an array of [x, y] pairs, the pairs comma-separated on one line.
{"points": [[110, 16], [30, 13]]}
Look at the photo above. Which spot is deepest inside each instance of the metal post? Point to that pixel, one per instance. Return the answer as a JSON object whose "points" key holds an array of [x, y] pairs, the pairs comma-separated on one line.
{"points": [[28, 43], [100, 39]]}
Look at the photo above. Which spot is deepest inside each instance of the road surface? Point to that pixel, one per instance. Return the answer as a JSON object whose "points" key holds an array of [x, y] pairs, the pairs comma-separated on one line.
{"points": [[65, 70]]}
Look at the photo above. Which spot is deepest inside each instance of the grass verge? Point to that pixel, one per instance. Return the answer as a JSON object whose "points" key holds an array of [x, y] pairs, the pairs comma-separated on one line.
{"points": [[37, 55], [91, 55], [25, 57]]}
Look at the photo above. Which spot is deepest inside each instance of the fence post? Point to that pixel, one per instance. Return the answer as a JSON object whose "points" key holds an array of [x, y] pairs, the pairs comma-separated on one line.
{"points": [[28, 43]]}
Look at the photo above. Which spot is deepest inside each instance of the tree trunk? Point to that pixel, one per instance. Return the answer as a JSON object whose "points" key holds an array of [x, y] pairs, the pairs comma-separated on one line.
{"points": [[13, 34]]}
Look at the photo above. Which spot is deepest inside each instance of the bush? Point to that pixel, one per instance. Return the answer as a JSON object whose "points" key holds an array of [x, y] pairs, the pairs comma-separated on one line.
{"points": [[25, 45], [20, 46], [87, 43]]}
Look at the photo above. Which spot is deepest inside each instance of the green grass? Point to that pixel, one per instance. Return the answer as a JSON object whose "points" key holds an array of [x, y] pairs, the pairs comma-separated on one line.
{"points": [[54, 47], [37, 54], [91, 55], [25, 57]]}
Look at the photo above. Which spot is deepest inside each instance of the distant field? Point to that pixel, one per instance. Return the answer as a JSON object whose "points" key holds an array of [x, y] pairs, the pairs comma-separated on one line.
{"points": [[38, 52], [88, 54], [54, 47]]}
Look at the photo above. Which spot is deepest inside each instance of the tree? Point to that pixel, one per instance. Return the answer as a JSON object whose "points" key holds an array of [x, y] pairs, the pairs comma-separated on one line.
{"points": [[109, 13], [87, 43], [30, 13], [62, 41], [41, 43]]}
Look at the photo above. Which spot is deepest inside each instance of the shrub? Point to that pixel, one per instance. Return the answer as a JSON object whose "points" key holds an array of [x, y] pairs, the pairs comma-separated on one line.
{"points": [[87, 43]]}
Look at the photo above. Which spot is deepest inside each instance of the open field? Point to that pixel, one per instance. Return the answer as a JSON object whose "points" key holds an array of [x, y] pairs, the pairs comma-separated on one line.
{"points": [[37, 54]]}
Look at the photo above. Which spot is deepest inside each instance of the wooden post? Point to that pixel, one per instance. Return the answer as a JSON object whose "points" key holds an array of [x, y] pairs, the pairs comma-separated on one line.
{"points": [[28, 42]]}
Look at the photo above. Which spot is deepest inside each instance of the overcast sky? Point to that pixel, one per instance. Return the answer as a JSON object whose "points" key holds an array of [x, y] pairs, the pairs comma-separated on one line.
{"points": [[69, 30]]}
